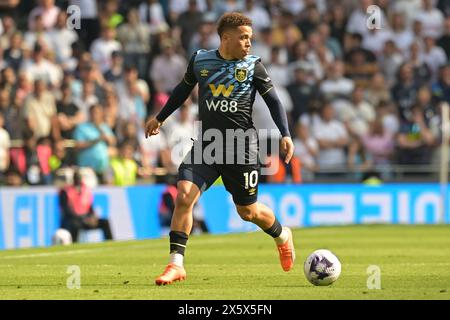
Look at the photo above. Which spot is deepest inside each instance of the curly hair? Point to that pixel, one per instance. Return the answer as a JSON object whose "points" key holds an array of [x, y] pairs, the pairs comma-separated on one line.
{"points": [[232, 20]]}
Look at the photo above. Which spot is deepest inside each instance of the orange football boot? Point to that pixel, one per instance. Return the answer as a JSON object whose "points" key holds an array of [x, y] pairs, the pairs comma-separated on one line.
{"points": [[171, 273], [287, 252]]}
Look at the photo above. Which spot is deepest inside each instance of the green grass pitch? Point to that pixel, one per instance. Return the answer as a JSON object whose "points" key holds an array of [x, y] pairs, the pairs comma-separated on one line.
{"points": [[414, 263]]}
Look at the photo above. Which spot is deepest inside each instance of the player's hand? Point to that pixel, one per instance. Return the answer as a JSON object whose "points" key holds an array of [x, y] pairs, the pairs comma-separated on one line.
{"points": [[152, 127], [287, 147]]}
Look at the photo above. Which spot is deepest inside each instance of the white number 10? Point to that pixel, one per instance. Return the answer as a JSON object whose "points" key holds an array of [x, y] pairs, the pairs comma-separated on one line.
{"points": [[251, 180]]}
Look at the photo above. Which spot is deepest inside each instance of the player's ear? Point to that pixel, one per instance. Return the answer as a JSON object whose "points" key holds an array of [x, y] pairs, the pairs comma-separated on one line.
{"points": [[226, 35]]}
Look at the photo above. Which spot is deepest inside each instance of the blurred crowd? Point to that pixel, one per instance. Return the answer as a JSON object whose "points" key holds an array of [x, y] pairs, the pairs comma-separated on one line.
{"points": [[362, 94]]}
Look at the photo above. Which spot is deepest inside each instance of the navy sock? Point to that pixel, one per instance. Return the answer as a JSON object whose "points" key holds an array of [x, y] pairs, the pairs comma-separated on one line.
{"points": [[178, 242], [275, 230]]}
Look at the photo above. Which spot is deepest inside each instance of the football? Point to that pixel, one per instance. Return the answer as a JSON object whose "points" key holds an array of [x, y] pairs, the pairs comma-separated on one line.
{"points": [[62, 237], [322, 268]]}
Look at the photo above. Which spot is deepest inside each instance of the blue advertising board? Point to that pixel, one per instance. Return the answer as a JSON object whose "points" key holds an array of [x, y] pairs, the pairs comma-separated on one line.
{"points": [[30, 216]]}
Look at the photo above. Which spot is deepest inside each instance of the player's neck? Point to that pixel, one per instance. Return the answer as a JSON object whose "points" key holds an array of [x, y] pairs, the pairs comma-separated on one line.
{"points": [[225, 55]]}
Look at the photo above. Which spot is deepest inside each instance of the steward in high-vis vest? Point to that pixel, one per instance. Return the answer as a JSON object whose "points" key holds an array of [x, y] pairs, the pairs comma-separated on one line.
{"points": [[76, 203], [124, 167]]}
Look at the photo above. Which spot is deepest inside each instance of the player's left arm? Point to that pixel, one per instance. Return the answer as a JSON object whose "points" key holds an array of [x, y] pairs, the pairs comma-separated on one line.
{"points": [[264, 85]]}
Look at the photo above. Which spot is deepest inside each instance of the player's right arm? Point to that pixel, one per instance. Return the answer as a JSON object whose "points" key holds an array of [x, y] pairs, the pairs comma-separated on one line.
{"points": [[176, 99]]}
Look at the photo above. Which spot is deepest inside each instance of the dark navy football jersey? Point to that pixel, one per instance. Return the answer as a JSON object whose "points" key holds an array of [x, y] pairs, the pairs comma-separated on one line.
{"points": [[227, 88]]}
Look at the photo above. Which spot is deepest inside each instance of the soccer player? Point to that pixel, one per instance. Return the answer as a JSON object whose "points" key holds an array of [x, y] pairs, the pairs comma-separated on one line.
{"points": [[228, 78]]}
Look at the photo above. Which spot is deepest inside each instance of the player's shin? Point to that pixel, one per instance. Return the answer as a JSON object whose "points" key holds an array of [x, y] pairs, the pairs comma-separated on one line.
{"points": [[178, 241], [277, 232]]}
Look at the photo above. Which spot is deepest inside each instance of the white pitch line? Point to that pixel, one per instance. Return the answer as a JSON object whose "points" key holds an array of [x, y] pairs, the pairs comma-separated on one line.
{"points": [[48, 254], [69, 252], [78, 251]]}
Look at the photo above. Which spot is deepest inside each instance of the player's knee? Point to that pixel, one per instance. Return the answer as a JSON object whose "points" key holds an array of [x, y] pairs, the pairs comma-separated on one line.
{"points": [[247, 214], [184, 200]]}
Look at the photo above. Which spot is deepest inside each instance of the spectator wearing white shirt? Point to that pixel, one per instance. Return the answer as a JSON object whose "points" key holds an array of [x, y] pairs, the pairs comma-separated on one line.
{"points": [[319, 55], [103, 47], [61, 40], [151, 13], [390, 61], [306, 149], [37, 35], [375, 39], [167, 68], [156, 153], [332, 137], [357, 22], [401, 34], [407, 7], [262, 46], [47, 10], [259, 15], [133, 94], [336, 85], [432, 19], [357, 114], [179, 133], [278, 70], [41, 68], [433, 56]]}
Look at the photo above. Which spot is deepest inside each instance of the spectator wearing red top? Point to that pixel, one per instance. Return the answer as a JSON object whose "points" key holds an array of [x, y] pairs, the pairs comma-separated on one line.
{"points": [[77, 207]]}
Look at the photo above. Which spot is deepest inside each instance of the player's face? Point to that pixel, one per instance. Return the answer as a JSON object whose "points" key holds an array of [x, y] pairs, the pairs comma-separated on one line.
{"points": [[239, 41]]}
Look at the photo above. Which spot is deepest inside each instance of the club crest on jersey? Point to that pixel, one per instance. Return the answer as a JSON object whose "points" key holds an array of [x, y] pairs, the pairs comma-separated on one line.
{"points": [[240, 74], [204, 72]]}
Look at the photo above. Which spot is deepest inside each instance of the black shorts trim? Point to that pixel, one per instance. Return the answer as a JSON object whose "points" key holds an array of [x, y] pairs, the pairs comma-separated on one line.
{"points": [[202, 177], [245, 203]]}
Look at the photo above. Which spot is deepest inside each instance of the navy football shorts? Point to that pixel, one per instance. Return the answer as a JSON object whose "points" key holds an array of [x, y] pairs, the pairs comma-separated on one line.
{"points": [[240, 180]]}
